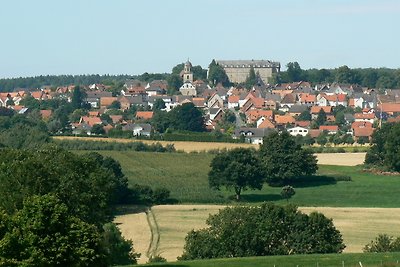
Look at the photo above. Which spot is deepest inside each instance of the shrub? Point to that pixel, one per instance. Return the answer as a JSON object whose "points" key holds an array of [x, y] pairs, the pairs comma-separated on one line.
{"points": [[383, 243], [157, 258]]}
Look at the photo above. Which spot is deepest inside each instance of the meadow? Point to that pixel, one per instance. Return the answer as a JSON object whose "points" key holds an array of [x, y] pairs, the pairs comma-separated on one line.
{"points": [[326, 260], [185, 175]]}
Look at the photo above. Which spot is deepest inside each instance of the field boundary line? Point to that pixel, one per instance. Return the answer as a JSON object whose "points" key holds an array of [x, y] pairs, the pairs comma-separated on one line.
{"points": [[155, 234]]}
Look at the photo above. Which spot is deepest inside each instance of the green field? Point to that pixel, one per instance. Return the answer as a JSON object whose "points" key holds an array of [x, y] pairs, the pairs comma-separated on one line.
{"points": [[331, 260], [185, 174]]}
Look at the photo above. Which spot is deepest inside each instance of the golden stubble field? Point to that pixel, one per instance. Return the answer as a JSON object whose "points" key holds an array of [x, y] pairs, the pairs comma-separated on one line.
{"points": [[357, 225]]}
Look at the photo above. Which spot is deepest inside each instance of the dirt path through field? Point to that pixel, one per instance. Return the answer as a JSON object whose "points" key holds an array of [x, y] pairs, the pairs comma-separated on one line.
{"points": [[357, 225]]}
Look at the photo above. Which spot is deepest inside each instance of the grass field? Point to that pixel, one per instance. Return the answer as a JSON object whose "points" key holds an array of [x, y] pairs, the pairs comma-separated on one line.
{"points": [[186, 176], [327, 260], [357, 225]]}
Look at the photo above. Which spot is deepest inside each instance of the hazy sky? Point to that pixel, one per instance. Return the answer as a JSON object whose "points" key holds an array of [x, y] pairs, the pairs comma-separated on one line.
{"points": [[131, 37]]}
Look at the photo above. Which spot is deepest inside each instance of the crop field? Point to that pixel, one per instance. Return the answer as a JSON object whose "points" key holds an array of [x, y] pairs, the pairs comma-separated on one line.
{"points": [[357, 225]]}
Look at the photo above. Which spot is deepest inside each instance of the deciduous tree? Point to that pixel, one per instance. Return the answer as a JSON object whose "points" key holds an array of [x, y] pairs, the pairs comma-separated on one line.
{"points": [[237, 169], [284, 161]]}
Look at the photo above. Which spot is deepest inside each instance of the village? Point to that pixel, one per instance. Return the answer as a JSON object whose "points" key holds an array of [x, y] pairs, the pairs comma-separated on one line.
{"points": [[320, 113]]}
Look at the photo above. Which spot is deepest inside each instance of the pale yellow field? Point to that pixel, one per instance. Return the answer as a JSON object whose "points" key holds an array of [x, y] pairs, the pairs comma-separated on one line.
{"points": [[136, 228], [341, 159], [357, 225]]}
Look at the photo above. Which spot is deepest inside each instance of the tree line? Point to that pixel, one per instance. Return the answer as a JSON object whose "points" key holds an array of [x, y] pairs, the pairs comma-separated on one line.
{"points": [[366, 77]]}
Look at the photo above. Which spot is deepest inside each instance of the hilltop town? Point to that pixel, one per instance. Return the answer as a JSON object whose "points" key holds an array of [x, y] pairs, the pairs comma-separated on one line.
{"points": [[242, 102]]}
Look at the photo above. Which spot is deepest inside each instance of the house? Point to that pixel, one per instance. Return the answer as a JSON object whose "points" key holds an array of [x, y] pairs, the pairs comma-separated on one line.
{"points": [[389, 108], [81, 128], [361, 124], [296, 110], [331, 129], [369, 117], [264, 122], [91, 121], [93, 97], [144, 115], [298, 131], [315, 110], [284, 119], [46, 114], [154, 90], [287, 102], [254, 114], [168, 101], [199, 102], [253, 103], [252, 135], [215, 101], [307, 99], [216, 114], [363, 101], [138, 129], [116, 119], [107, 101], [363, 132], [233, 101], [304, 124]]}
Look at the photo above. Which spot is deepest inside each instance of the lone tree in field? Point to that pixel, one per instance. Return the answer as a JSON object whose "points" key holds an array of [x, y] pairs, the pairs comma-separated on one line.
{"points": [[238, 168], [262, 230], [285, 161], [287, 192]]}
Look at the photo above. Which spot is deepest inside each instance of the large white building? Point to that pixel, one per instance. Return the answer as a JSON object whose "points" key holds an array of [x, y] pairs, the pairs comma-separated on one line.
{"points": [[238, 70]]}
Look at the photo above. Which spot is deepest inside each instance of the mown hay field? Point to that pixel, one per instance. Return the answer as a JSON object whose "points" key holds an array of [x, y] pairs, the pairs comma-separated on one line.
{"points": [[357, 225]]}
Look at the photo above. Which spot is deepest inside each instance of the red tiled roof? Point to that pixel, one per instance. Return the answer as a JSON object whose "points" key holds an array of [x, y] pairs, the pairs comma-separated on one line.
{"points": [[329, 128], [106, 101], [233, 99], [90, 120], [266, 124], [284, 119], [361, 124], [253, 114], [358, 132], [144, 115], [365, 116], [304, 124], [46, 113], [316, 109], [390, 107]]}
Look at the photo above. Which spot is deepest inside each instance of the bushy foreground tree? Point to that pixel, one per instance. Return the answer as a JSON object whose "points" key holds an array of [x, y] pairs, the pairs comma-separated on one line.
{"points": [[262, 230], [285, 161], [89, 185], [237, 169], [53, 206], [44, 233]]}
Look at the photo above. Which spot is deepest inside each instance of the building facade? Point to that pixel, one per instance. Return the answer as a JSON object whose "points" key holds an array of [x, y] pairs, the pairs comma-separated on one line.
{"points": [[238, 70]]}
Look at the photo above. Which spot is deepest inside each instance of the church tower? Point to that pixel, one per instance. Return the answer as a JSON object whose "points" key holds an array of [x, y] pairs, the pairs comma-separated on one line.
{"points": [[187, 72]]}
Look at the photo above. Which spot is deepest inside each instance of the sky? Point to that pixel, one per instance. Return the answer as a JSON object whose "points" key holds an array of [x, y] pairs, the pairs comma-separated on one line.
{"points": [[52, 37]]}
